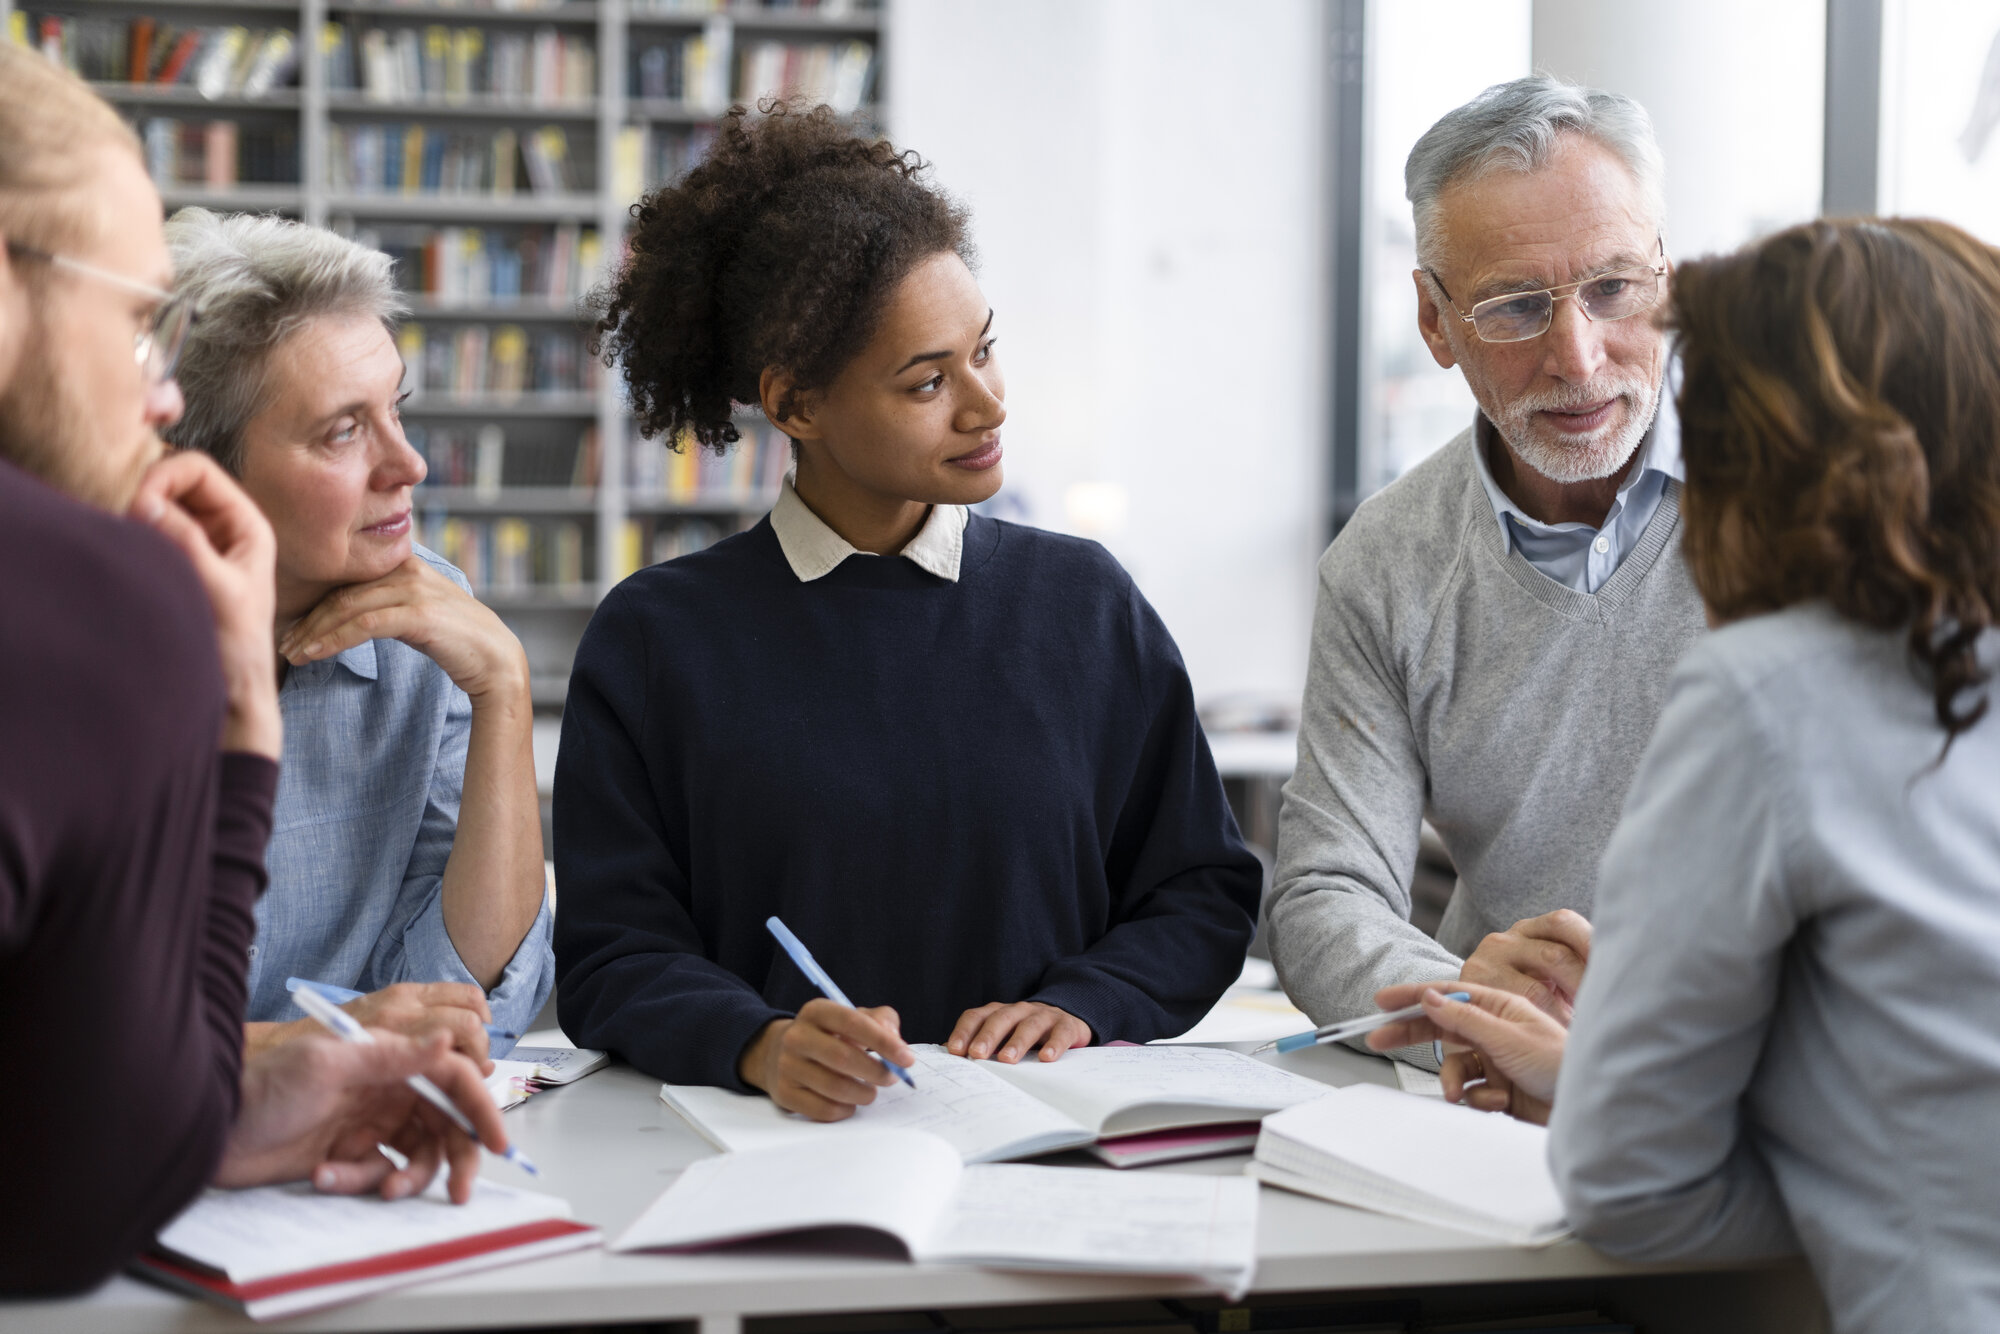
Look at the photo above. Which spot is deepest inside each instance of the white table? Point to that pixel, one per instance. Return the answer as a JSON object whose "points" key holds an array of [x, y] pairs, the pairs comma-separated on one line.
{"points": [[610, 1146]]}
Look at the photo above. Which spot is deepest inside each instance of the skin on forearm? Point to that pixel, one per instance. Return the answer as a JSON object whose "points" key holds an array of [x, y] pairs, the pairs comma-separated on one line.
{"points": [[493, 881]]}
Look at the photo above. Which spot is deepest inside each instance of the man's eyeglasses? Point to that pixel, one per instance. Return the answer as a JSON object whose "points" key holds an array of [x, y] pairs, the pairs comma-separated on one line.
{"points": [[157, 346], [1515, 317]]}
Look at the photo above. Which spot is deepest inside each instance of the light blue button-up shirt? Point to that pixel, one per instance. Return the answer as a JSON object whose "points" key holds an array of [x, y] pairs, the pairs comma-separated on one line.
{"points": [[368, 796], [1576, 554]]}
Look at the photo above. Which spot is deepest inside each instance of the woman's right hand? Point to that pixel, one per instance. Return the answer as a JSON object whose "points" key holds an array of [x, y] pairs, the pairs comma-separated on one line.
{"points": [[414, 1009], [1513, 1050], [818, 1064]]}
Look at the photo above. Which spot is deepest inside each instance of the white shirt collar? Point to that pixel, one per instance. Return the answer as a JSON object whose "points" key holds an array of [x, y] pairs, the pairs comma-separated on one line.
{"points": [[814, 550], [1659, 451]]}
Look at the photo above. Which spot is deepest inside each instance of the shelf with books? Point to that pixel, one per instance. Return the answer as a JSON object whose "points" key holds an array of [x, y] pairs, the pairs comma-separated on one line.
{"points": [[524, 309], [286, 199], [473, 106], [579, 406], [575, 11], [440, 207], [177, 95], [514, 492], [507, 500]]}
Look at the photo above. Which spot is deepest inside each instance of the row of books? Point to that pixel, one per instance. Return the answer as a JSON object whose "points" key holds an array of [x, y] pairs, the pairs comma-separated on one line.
{"points": [[826, 8], [416, 159], [648, 541], [650, 155], [485, 460], [688, 70], [390, 65], [472, 360], [219, 154], [511, 555], [840, 74], [750, 472], [216, 59], [477, 266]]}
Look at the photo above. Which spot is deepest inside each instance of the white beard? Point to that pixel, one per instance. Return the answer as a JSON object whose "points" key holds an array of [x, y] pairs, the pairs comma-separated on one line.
{"points": [[1578, 458]]}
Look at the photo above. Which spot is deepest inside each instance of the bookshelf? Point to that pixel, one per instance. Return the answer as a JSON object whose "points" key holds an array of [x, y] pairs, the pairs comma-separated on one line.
{"points": [[494, 149]]}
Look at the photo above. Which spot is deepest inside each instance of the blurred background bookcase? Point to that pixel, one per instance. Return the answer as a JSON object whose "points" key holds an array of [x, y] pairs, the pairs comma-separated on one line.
{"points": [[495, 151]]}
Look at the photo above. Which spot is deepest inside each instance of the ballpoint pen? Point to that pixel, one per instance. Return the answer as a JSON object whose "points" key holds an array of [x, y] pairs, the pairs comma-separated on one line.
{"points": [[817, 976], [1353, 1028], [342, 995], [348, 1029]]}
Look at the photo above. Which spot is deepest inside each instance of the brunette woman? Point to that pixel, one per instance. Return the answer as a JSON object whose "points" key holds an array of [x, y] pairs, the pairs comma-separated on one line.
{"points": [[959, 757]]}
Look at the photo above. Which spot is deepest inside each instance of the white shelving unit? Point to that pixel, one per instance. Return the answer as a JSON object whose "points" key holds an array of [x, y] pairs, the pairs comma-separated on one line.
{"points": [[548, 617]]}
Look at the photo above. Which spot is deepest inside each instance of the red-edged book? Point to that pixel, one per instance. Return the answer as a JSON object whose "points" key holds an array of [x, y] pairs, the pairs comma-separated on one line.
{"points": [[279, 1250]]}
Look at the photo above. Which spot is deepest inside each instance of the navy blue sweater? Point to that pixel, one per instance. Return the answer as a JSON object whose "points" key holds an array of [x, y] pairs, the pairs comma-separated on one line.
{"points": [[994, 790]]}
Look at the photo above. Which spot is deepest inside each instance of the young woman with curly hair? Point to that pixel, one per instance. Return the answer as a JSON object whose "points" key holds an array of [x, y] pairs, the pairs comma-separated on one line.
{"points": [[957, 756], [1786, 1033]]}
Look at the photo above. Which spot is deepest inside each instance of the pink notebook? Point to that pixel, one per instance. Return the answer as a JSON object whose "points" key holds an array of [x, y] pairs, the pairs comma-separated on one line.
{"points": [[1173, 1146]]}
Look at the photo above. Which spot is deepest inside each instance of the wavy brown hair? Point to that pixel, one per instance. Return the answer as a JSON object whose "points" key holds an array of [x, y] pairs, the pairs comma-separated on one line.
{"points": [[1840, 422]]}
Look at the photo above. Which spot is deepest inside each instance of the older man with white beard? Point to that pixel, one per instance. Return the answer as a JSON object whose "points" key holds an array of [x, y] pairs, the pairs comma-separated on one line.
{"points": [[1496, 629]]}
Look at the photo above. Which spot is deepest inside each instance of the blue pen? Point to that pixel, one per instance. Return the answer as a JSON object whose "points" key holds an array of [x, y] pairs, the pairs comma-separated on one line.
{"points": [[342, 995], [348, 1029], [817, 976], [1353, 1028]]}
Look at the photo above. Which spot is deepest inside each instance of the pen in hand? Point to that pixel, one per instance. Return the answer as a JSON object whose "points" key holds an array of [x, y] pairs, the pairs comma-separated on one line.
{"points": [[818, 977], [1352, 1028], [345, 1027], [342, 995]]}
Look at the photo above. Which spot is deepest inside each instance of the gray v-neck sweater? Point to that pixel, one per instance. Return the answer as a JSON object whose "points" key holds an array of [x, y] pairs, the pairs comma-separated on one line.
{"points": [[1452, 680]]}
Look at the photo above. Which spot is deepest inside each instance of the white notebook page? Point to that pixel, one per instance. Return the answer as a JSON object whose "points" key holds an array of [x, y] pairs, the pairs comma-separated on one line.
{"points": [[1094, 1084], [1480, 1163], [957, 1100], [267, 1230], [1021, 1216], [895, 1182]]}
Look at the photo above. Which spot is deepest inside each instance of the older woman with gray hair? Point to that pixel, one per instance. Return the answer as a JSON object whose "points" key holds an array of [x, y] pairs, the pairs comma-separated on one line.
{"points": [[406, 853]]}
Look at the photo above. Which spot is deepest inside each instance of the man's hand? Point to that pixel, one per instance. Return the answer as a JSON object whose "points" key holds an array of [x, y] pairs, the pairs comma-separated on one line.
{"points": [[1513, 1050], [317, 1107], [1009, 1032], [1541, 958], [414, 1009], [818, 1064], [417, 605], [201, 510]]}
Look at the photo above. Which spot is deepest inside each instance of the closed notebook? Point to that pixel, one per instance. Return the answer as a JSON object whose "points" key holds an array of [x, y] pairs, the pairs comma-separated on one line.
{"points": [[991, 1112], [1418, 1158], [912, 1187], [278, 1250]]}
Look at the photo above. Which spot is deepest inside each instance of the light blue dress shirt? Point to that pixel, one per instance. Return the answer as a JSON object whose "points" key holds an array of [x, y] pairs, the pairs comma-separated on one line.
{"points": [[1575, 554], [368, 796]]}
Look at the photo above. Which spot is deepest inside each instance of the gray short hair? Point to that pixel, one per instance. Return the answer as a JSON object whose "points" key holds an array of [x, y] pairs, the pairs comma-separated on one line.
{"points": [[258, 280], [1515, 127]]}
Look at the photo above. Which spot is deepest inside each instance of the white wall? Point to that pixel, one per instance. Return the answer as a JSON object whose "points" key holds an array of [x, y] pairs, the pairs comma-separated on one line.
{"points": [[1737, 94], [1146, 189]]}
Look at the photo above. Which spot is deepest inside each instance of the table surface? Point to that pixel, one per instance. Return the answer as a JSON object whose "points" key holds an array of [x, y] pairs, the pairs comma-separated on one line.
{"points": [[610, 1146]]}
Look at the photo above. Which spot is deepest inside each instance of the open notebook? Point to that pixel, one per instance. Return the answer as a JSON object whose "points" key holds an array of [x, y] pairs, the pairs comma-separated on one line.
{"points": [[991, 1112], [277, 1250], [1419, 1158], [912, 1187]]}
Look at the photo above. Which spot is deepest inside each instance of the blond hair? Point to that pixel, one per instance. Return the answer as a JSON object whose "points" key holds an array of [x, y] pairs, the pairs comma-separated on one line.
{"points": [[47, 117]]}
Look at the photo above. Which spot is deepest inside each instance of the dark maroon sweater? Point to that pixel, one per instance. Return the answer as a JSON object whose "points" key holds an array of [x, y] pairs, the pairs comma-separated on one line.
{"points": [[131, 853]]}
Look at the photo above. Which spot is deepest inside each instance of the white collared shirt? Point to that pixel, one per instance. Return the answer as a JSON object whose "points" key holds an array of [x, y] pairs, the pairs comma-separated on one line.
{"points": [[814, 550], [1576, 554]]}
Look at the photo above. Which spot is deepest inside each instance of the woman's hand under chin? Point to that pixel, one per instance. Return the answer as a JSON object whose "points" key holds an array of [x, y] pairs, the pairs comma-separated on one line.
{"points": [[422, 608]]}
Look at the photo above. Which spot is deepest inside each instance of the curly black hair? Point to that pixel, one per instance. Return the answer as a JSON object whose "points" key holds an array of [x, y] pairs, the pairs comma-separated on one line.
{"points": [[779, 249]]}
